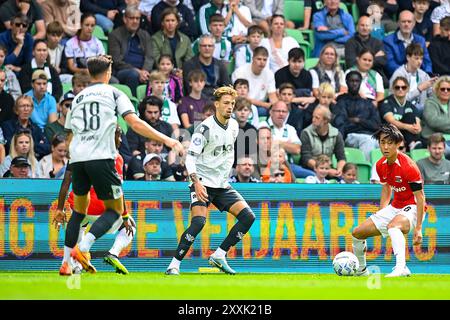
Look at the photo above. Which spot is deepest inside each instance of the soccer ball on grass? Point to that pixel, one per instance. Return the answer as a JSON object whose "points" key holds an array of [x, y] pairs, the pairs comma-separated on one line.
{"points": [[345, 264]]}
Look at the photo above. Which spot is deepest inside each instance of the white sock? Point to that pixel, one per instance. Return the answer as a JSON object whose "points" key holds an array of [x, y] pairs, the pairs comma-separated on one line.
{"points": [[359, 249], [66, 257], [219, 253], [122, 241], [87, 242], [174, 264], [398, 244], [81, 234]]}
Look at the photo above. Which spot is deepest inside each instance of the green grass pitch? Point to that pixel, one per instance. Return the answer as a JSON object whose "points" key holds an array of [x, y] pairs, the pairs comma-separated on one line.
{"points": [[157, 286]]}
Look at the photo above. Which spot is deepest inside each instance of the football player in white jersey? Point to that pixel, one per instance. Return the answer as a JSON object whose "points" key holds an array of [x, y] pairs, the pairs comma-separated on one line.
{"points": [[91, 123], [209, 161]]}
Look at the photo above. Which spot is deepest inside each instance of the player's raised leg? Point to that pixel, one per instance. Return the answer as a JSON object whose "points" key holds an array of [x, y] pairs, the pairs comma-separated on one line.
{"points": [[397, 228], [123, 239], [359, 235]]}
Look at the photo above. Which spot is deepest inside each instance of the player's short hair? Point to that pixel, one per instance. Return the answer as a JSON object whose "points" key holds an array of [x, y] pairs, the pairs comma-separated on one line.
{"points": [[81, 77], [55, 28], [296, 54], [241, 82], [389, 130], [216, 18], [196, 75], [242, 103], [445, 22], [436, 138], [151, 101], [99, 64], [156, 75], [414, 49], [260, 51], [255, 29], [223, 91], [286, 85], [322, 159]]}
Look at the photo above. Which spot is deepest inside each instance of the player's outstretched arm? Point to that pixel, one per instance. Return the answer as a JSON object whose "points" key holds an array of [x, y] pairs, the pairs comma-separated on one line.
{"points": [[60, 216], [420, 201], [386, 192]]}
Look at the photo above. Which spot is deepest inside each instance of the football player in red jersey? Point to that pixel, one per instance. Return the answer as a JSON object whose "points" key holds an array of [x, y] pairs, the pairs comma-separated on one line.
{"points": [[406, 212]]}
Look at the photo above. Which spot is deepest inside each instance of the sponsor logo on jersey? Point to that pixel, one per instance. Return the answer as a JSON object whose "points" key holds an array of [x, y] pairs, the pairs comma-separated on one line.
{"points": [[197, 141], [399, 189], [398, 179], [116, 191], [80, 98]]}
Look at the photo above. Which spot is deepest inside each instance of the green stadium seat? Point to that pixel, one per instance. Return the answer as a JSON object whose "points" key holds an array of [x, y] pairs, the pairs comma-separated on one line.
{"points": [[262, 118], [446, 136], [355, 13], [300, 180], [66, 87], [122, 123], [343, 6], [296, 158], [126, 89], [375, 155], [294, 11], [141, 91], [311, 63], [98, 33], [298, 36], [231, 66], [417, 154]]}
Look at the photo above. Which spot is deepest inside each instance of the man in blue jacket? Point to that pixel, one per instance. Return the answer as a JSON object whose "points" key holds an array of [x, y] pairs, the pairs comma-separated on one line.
{"points": [[332, 24], [395, 44]]}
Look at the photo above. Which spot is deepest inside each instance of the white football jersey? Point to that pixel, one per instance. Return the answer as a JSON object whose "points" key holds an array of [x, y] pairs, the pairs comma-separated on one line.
{"points": [[93, 119], [213, 144]]}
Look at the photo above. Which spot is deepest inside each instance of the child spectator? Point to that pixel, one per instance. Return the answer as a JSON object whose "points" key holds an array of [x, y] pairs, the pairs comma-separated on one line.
{"points": [[326, 98], [321, 168], [349, 173], [278, 169], [55, 33], [375, 12], [424, 26], [245, 143], [174, 82], [191, 106], [80, 80], [244, 53], [242, 88], [11, 84]]}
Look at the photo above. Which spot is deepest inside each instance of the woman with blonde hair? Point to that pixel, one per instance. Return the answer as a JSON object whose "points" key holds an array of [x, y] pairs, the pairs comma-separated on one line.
{"points": [[21, 145]]}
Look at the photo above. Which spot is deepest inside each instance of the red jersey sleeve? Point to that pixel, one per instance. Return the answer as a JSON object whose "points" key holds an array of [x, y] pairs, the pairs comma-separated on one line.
{"points": [[381, 167], [412, 173]]}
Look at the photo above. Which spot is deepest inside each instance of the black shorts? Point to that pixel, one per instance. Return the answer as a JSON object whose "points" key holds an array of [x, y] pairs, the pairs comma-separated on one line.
{"points": [[101, 174], [222, 198]]}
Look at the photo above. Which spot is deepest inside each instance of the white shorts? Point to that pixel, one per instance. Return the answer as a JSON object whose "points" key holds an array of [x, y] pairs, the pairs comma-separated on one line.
{"points": [[91, 219], [382, 218]]}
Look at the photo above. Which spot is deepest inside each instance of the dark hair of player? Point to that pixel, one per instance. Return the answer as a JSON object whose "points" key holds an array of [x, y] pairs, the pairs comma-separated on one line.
{"points": [[390, 131], [99, 64]]}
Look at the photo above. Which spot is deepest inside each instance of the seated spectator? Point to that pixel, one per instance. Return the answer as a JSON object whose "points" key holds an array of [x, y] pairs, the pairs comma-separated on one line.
{"points": [[278, 168], [187, 25], [18, 43], [438, 14], [131, 50], [355, 117], [222, 48], [424, 26], [53, 165], [332, 25], [439, 49], [419, 81], [80, 80], [83, 45], [261, 80], [321, 168], [23, 108], [240, 18], [436, 114], [152, 169], [57, 127], [39, 62], [215, 70], [11, 85], [435, 169], [322, 138], [245, 143], [263, 10], [372, 83], [20, 168], [149, 111], [362, 39], [243, 54], [389, 10], [6, 100], [2, 146], [55, 33], [29, 8], [244, 171], [21, 145], [375, 12], [174, 82], [191, 106], [328, 70], [66, 12], [106, 12], [278, 44], [374, 178], [326, 98], [350, 174], [169, 40], [397, 110], [395, 44], [242, 88], [44, 104]]}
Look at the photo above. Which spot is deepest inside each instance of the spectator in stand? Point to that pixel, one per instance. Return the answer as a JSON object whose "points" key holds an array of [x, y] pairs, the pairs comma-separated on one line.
{"points": [[21, 145], [169, 40], [83, 45], [66, 12], [80, 80], [106, 11], [435, 169], [40, 62], [436, 115], [57, 127], [23, 109], [153, 169], [363, 40], [278, 168], [44, 104], [53, 165], [328, 70], [55, 33], [18, 43], [332, 25], [350, 174], [326, 98], [149, 111], [186, 23], [245, 168], [278, 44], [20, 168], [6, 100], [263, 10], [11, 85], [243, 54], [372, 83], [424, 26], [242, 88], [375, 12], [191, 106], [322, 138], [439, 49], [215, 70], [438, 14], [29, 8], [261, 80], [420, 83], [321, 167], [390, 10], [2, 146], [131, 50], [240, 18], [174, 82], [399, 111], [395, 44], [355, 117], [245, 143]]}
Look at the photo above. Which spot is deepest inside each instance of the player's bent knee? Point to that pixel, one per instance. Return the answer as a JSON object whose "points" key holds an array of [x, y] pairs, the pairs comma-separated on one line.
{"points": [[197, 224], [246, 217], [358, 233]]}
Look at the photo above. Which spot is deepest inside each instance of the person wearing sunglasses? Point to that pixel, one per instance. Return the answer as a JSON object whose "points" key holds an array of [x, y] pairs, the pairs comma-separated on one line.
{"points": [[30, 8], [57, 127], [399, 111], [436, 115]]}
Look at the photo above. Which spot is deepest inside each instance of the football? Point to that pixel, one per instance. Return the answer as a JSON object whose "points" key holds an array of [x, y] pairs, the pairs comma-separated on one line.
{"points": [[345, 264]]}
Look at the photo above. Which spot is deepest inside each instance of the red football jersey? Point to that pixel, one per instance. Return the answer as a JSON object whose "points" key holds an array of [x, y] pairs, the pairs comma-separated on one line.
{"points": [[399, 175], [96, 206]]}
